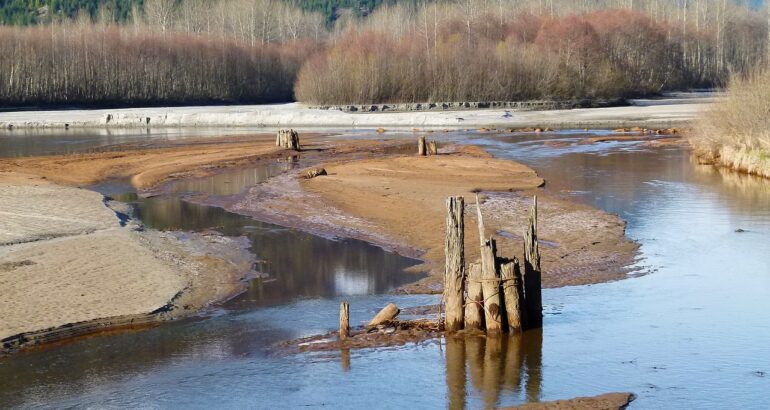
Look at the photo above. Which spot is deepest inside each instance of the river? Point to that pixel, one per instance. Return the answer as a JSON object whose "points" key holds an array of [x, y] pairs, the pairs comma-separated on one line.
{"points": [[691, 333]]}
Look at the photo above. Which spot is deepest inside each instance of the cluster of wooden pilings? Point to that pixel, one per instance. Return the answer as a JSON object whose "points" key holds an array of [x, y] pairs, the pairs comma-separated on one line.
{"points": [[495, 294], [426, 147], [288, 139]]}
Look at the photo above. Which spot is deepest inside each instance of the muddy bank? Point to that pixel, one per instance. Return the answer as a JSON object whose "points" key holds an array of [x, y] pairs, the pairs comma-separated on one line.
{"points": [[609, 401], [72, 264], [397, 201], [643, 113]]}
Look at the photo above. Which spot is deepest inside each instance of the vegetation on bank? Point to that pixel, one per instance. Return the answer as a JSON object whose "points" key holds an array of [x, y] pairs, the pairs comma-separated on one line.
{"points": [[194, 51], [736, 132]]}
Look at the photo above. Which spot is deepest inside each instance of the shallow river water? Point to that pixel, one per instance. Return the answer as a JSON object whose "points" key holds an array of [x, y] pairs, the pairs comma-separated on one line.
{"points": [[693, 333]]}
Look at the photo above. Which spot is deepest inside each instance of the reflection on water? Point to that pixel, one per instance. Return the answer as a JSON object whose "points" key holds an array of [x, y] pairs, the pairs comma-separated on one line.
{"points": [[489, 367], [692, 335]]}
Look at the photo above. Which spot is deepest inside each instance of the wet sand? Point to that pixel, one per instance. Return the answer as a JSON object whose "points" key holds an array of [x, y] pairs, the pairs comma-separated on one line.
{"points": [[609, 401], [69, 267], [397, 201]]}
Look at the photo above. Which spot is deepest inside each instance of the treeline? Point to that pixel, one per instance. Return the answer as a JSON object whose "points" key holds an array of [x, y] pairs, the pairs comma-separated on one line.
{"points": [[195, 51], [515, 50]]}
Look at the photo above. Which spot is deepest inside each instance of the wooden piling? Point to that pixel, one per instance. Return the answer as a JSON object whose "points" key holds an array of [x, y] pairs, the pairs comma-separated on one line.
{"points": [[474, 303], [344, 320], [454, 272], [532, 273], [288, 139], [510, 274], [421, 149], [432, 148], [490, 287]]}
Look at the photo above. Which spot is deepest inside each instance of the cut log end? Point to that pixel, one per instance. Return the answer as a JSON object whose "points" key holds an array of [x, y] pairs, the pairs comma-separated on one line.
{"points": [[387, 314]]}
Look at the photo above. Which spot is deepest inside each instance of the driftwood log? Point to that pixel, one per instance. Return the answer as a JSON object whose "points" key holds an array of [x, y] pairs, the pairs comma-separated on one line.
{"points": [[288, 139], [454, 272], [387, 314], [421, 148], [510, 273], [344, 320], [474, 303], [314, 172], [532, 275]]}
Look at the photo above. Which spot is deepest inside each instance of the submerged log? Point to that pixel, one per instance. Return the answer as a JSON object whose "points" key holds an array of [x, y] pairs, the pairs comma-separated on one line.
{"points": [[490, 287], [510, 273], [421, 149], [454, 273], [344, 320], [387, 314], [474, 303], [532, 273]]}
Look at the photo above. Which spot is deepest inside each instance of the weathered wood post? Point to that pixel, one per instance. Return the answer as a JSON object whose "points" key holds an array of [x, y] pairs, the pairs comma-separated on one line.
{"points": [[432, 148], [474, 303], [454, 272], [344, 320], [490, 287], [490, 284], [421, 150], [288, 139], [511, 277], [532, 274]]}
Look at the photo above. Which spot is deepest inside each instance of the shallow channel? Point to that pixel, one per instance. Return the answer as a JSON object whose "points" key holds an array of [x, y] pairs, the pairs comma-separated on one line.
{"points": [[691, 334]]}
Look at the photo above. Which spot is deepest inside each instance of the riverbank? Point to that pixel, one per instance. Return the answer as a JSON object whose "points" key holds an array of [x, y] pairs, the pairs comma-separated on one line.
{"points": [[72, 263], [664, 113]]}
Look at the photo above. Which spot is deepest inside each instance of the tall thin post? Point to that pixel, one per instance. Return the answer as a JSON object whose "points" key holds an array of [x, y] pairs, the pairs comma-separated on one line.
{"points": [[344, 320], [421, 149], [532, 273], [454, 273], [474, 303]]}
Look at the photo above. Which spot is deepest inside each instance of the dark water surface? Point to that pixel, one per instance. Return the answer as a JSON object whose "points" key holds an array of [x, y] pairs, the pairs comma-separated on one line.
{"points": [[693, 334]]}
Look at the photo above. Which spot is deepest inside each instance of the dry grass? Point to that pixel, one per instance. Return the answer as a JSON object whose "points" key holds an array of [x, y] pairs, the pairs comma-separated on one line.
{"points": [[736, 132]]}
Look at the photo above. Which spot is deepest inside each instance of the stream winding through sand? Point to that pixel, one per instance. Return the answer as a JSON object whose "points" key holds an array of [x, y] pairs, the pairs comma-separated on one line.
{"points": [[693, 334]]}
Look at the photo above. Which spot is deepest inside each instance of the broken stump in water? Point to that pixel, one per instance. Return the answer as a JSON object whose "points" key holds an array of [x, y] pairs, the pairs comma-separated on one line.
{"points": [[288, 139], [387, 314], [454, 272], [490, 287], [432, 148], [344, 320], [421, 148]]}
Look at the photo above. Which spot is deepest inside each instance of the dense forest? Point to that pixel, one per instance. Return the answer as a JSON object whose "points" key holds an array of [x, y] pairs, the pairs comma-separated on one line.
{"points": [[26, 12], [133, 52]]}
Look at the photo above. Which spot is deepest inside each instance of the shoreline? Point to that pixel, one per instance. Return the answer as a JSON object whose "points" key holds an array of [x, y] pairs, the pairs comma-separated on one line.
{"points": [[665, 113], [89, 269], [338, 154]]}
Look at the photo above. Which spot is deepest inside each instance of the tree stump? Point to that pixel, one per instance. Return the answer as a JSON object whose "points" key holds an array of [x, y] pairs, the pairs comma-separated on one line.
{"points": [[474, 303], [288, 139], [490, 287], [387, 314], [421, 149], [454, 272], [511, 285], [344, 320], [532, 274], [432, 148]]}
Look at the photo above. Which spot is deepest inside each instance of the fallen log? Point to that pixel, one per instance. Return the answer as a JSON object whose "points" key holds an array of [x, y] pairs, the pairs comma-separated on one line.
{"points": [[387, 314]]}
